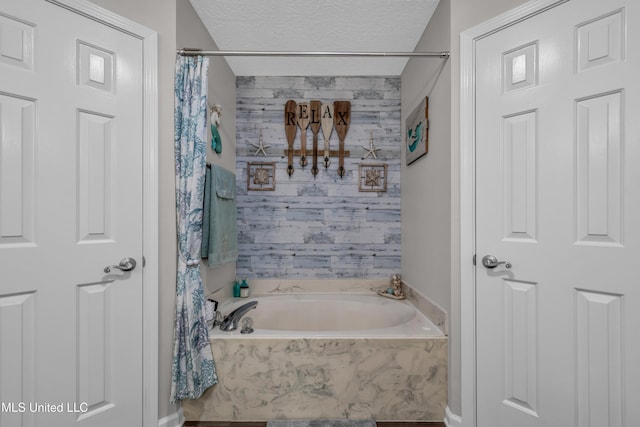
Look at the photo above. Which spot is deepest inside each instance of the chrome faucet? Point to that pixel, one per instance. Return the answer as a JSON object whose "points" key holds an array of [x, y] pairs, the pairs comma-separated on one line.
{"points": [[230, 322]]}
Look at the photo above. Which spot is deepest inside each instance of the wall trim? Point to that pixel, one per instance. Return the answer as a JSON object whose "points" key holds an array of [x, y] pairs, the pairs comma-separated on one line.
{"points": [[150, 231], [173, 420], [468, 40], [451, 419]]}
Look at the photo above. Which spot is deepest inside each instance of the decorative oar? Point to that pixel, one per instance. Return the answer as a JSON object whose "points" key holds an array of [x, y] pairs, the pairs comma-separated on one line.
{"points": [[290, 128], [303, 122], [341, 119], [326, 121], [314, 113]]}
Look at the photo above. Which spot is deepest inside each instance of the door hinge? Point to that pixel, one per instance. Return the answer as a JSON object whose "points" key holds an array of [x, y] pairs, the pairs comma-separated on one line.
{"points": [[474, 259], [144, 261]]}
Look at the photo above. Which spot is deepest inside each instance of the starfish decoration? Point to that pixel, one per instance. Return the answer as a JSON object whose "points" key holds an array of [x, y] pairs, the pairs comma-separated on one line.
{"points": [[372, 177], [371, 149], [261, 148], [261, 176]]}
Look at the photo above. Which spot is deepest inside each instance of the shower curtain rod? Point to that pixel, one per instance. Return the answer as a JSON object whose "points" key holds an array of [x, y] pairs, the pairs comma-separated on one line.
{"points": [[196, 52]]}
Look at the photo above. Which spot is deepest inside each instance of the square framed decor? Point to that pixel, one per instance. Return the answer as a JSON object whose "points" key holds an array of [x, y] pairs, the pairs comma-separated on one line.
{"points": [[261, 176], [372, 177]]}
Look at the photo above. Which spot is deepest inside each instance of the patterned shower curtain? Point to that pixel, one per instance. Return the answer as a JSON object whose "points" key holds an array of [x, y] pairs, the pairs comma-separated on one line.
{"points": [[193, 369]]}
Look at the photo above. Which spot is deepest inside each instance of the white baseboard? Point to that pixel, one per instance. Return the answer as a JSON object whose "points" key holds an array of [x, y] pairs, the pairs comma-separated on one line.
{"points": [[451, 419], [174, 420]]}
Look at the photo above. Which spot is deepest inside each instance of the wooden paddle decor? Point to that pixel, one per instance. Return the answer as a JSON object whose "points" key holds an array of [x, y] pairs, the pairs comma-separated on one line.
{"points": [[326, 121], [303, 122], [290, 128], [314, 121], [341, 120]]}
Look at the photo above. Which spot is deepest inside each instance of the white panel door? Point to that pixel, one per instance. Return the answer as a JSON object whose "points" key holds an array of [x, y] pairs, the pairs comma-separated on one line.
{"points": [[557, 150], [70, 204]]}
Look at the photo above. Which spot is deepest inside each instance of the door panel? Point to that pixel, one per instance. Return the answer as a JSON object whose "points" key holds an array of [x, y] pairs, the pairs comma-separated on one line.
{"points": [[70, 204], [17, 161], [599, 131], [557, 148]]}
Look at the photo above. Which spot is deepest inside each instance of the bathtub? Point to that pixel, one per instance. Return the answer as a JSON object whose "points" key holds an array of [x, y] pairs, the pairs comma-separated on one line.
{"points": [[311, 356], [333, 315]]}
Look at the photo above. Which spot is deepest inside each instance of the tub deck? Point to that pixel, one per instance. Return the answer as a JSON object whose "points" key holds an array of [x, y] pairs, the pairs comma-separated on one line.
{"points": [[329, 316]]}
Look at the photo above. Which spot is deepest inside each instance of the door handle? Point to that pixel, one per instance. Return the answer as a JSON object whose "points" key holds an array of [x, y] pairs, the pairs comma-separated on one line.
{"points": [[491, 261], [126, 264]]}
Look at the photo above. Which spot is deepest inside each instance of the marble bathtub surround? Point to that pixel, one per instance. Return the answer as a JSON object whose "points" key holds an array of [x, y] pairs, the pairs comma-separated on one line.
{"points": [[318, 378], [278, 374]]}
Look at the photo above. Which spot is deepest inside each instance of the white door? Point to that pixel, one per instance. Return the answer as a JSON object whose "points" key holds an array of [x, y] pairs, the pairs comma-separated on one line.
{"points": [[558, 196], [70, 204]]}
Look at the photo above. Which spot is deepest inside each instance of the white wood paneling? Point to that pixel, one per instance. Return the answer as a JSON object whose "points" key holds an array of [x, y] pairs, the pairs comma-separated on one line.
{"points": [[600, 369], [94, 180], [520, 67], [16, 42], [17, 139], [17, 361], [520, 176], [600, 40], [94, 335], [599, 169], [321, 226], [520, 346], [586, 347], [95, 67], [57, 266]]}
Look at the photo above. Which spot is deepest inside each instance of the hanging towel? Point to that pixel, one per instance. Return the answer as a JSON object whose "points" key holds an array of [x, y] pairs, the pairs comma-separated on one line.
{"points": [[206, 213], [220, 237]]}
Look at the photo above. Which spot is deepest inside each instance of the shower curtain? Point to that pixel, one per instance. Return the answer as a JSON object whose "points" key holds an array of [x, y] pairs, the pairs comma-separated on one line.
{"points": [[193, 368]]}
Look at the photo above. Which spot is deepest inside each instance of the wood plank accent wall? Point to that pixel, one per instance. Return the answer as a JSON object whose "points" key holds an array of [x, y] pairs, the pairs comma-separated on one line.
{"points": [[324, 227]]}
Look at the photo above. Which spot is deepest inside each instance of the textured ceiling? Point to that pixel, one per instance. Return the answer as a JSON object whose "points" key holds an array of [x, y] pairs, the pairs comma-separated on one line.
{"points": [[316, 25]]}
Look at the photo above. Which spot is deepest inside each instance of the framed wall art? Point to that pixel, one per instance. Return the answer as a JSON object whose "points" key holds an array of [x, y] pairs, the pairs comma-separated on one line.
{"points": [[372, 177], [417, 132], [261, 176]]}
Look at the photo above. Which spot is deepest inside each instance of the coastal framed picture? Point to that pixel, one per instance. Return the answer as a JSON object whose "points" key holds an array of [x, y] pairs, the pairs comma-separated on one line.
{"points": [[372, 177], [261, 176], [417, 132]]}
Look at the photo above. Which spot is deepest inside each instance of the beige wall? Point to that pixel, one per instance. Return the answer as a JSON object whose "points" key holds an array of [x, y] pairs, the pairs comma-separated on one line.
{"points": [[425, 183], [426, 190]]}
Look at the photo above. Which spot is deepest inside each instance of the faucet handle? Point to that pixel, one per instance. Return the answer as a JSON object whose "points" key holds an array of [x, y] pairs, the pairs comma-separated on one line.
{"points": [[217, 318], [247, 325]]}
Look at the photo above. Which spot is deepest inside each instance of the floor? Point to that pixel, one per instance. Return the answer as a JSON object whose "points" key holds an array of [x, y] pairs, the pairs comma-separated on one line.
{"points": [[263, 424]]}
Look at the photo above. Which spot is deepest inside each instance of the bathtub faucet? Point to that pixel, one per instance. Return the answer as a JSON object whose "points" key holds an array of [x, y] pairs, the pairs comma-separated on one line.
{"points": [[230, 322]]}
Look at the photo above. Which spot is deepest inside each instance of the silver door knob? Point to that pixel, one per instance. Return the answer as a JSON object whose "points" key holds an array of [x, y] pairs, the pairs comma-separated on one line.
{"points": [[126, 264], [491, 261]]}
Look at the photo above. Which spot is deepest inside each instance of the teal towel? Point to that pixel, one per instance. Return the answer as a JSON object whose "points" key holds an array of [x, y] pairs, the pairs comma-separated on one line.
{"points": [[220, 237], [206, 213]]}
